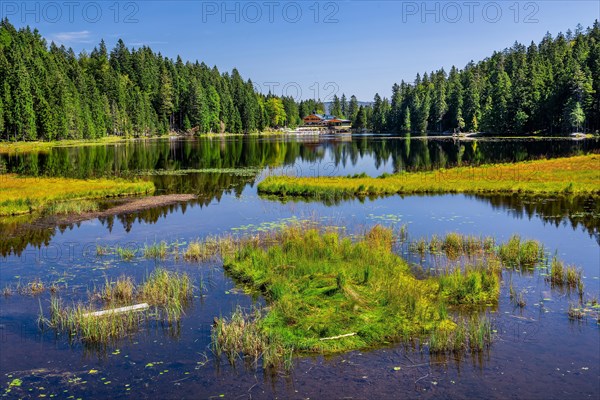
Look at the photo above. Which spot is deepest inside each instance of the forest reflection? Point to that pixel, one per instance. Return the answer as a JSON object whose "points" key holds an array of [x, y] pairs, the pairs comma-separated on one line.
{"points": [[579, 212], [162, 158]]}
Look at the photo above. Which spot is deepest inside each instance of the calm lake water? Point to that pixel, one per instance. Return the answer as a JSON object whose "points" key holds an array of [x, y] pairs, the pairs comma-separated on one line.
{"points": [[538, 352]]}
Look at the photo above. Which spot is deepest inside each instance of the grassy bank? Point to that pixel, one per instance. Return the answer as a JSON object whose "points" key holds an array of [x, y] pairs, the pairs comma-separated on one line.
{"points": [[24, 147], [21, 195], [34, 146], [572, 175], [322, 300]]}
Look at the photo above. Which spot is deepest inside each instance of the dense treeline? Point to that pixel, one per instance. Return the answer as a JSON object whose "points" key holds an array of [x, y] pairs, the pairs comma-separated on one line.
{"points": [[49, 93], [549, 88]]}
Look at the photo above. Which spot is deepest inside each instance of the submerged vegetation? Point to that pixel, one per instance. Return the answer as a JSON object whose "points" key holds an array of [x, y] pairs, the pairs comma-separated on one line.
{"points": [[571, 175], [21, 195], [167, 293]]}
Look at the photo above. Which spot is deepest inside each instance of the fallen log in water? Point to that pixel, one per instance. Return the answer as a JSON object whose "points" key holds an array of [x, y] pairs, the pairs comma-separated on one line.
{"points": [[338, 337], [137, 307]]}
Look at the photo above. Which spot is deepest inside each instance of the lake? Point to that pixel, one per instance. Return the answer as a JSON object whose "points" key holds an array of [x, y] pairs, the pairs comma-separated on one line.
{"points": [[538, 351]]}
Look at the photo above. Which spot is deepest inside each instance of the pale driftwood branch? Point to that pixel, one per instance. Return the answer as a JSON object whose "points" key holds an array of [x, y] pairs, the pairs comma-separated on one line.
{"points": [[137, 307], [338, 337]]}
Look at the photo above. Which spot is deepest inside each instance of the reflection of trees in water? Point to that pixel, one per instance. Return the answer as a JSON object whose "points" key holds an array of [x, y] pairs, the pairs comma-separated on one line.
{"points": [[574, 210], [15, 239], [416, 153], [16, 236], [577, 211]]}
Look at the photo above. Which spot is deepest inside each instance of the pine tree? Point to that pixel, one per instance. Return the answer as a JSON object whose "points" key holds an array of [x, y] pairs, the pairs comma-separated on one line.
{"points": [[344, 106], [336, 107], [352, 108]]}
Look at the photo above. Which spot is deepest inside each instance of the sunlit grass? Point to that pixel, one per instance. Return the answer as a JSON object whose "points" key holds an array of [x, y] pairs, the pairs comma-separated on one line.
{"points": [[322, 300], [167, 292], [71, 207], [572, 175], [21, 195], [37, 146], [473, 334], [157, 251], [521, 253]]}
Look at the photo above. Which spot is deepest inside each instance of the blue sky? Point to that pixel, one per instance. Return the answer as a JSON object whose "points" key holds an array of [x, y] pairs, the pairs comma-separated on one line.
{"points": [[308, 48]]}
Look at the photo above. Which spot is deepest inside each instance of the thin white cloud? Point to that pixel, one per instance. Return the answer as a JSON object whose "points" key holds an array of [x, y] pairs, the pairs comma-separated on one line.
{"points": [[148, 43], [72, 37]]}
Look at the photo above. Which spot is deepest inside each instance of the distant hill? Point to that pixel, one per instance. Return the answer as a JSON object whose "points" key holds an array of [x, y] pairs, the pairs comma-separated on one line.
{"points": [[360, 103]]}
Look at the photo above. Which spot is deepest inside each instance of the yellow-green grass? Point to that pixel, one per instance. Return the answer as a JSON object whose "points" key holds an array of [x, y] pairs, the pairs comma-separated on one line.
{"points": [[571, 175], [321, 299], [25, 147], [168, 293], [21, 195]]}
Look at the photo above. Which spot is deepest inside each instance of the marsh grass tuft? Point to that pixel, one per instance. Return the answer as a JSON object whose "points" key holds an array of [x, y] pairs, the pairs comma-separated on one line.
{"points": [[156, 251], [575, 313], [168, 292], [322, 300], [102, 250], [117, 293], [470, 285], [565, 277], [71, 207], [125, 253], [33, 288], [240, 337], [211, 247], [517, 253], [473, 334]]}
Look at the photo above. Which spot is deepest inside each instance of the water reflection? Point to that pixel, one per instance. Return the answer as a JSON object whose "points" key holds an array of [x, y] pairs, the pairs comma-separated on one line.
{"points": [[581, 212], [373, 154]]}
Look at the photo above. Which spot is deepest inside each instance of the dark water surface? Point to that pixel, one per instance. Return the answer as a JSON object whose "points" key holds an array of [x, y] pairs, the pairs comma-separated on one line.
{"points": [[538, 352]]}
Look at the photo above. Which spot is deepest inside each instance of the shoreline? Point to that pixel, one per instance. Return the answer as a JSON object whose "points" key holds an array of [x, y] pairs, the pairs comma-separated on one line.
{"points": [[126, 205], [569, 175], [41, 146]]}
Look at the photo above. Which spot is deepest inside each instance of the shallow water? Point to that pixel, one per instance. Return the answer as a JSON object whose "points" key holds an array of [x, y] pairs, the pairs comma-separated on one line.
{"points": [[538, 351]]}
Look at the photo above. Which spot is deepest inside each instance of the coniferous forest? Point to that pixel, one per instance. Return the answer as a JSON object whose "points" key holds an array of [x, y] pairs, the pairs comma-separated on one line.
{"points": [[48, 92]]}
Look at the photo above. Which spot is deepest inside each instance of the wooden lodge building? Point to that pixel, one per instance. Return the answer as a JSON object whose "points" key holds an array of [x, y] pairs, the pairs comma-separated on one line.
{"points": [[327, 122]]}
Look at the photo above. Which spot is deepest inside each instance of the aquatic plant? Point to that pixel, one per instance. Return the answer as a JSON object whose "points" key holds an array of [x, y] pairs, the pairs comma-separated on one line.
{"points": [[126, 253], [469, 285], [575, 313], [518, 299], [157, 251], [33, 288], [209, 248], [520, 253], [120, 292], [102, 250], [473, 334], [240, 336], [568, 277], [167, 292]]}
